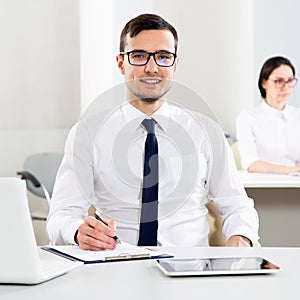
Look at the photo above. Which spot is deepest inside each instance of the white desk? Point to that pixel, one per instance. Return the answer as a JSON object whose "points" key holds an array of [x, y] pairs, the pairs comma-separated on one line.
{"points": [[142, 280], [261, 180], [277, 200]]}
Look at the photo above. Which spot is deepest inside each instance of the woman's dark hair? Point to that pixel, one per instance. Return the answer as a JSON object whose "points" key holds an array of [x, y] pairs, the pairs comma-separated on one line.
{"points": [[146, 22], [269, 66]]}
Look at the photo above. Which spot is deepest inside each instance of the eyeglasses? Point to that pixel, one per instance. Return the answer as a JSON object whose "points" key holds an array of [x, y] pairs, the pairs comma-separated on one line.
{"points": [[280, 83], [141, 58]]}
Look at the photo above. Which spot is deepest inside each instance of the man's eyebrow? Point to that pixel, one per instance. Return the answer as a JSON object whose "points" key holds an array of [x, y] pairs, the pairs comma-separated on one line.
{"points": [[157, 51], [138, 50]]}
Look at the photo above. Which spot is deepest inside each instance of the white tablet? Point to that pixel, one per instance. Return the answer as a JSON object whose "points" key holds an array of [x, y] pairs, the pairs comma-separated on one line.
{"points": [[294, 174], [217, 266]]}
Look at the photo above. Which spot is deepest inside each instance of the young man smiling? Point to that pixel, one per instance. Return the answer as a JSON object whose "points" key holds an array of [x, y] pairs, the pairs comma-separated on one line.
{"points": [[147, 84], [190, 162]]}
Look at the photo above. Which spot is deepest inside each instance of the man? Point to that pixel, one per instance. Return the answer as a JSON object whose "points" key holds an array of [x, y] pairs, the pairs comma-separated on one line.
{"points": [[162, 202]]}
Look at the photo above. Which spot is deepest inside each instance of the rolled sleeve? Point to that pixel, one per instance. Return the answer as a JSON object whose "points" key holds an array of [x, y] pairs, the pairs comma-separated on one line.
{"points": [[239, 217]]}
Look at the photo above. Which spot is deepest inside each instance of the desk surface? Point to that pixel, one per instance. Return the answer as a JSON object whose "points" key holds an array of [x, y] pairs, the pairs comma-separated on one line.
{"points": [[142, 280], [261, 180]]}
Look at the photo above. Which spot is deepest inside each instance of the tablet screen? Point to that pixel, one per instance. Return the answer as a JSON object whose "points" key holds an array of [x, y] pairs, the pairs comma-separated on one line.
{"points": [[217, 266]]}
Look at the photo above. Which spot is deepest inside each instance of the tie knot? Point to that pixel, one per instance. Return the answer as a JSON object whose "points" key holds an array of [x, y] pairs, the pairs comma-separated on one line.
{"points": [[149, 124]]}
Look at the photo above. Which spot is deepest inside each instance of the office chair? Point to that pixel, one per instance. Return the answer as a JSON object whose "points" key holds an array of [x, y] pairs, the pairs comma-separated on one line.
{"points": [[215, 236], [230, 139], [236, 155], [40, 172]]}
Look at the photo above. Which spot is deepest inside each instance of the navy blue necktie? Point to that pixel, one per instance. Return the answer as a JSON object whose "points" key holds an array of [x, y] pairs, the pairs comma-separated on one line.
{"points": [[148, 221]]}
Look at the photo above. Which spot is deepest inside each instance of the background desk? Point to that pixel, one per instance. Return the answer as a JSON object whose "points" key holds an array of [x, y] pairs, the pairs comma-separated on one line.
{"points": [[277, 200], [260, 180], [142, 280]]}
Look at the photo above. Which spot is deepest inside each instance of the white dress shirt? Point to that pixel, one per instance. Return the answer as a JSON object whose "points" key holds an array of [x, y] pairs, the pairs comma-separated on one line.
{"points": [[265, 133], [103, 165]]}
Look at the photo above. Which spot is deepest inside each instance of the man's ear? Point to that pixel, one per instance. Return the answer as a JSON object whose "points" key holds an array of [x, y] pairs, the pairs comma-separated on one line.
{"points": [[176, 62], [120, 62]]}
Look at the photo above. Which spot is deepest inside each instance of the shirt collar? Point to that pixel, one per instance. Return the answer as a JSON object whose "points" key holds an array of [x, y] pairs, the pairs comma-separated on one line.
{"points": [[134, 117], [275, 112], [161, 116]]}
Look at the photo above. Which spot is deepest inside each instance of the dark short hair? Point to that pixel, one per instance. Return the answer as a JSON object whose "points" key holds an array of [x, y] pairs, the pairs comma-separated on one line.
{"points": [[146, 22], [268, 67]]}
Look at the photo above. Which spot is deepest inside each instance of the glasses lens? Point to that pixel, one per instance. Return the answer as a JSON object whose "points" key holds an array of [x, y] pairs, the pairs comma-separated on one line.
{"points": [[164, 59], [138, 58], [280, 83], [141, 58], [292, 82]]}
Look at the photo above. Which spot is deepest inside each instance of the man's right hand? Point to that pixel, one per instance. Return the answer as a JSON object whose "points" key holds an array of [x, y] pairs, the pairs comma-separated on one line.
{"points": [[95, 235]]}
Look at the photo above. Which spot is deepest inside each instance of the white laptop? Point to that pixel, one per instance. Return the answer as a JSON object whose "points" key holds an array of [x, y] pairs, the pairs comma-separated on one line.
{"points": [[21, 261]]}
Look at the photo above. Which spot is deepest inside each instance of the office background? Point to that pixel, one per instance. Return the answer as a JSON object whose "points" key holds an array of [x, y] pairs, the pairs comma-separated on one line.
{"points": [[57, 56]]}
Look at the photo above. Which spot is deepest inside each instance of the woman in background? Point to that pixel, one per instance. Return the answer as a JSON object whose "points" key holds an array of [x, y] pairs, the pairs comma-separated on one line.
{"points": [[269, 134]]}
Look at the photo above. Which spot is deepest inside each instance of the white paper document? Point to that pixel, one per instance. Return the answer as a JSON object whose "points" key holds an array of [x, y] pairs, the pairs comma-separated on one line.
{"points": [[123, 251]]}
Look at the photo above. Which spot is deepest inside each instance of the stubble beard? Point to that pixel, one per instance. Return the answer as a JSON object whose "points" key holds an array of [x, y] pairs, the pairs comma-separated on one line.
{"points": [[147, 98]]}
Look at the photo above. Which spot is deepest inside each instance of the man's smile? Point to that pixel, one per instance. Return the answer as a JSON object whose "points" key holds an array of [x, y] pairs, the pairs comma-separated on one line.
{"points": [[151, 81]]}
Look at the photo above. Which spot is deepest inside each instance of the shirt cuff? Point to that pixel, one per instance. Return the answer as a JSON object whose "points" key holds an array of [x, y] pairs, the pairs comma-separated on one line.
{"points": [[249, 235], [69, 235]]}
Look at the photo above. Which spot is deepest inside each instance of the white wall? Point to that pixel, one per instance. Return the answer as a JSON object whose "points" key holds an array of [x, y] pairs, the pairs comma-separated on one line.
{"points": [[39, 75], [96, 49]]}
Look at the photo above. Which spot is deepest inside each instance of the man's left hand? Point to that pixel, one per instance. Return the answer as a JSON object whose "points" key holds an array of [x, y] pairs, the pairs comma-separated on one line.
{"points": [[238, 241]]}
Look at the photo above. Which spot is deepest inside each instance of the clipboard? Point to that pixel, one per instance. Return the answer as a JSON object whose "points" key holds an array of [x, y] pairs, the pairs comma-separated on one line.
{"points": [[123, 252]]}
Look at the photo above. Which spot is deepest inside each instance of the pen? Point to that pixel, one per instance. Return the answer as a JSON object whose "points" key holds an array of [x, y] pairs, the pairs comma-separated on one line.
{"points": [[101, 220]]}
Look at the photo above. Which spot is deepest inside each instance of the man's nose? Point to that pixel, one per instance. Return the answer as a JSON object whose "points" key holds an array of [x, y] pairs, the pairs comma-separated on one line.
{"points": [[151, 66]]}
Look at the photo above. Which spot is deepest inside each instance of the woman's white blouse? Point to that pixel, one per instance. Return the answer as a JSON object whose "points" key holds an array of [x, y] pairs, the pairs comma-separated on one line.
{"points": [[265, 133]]}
